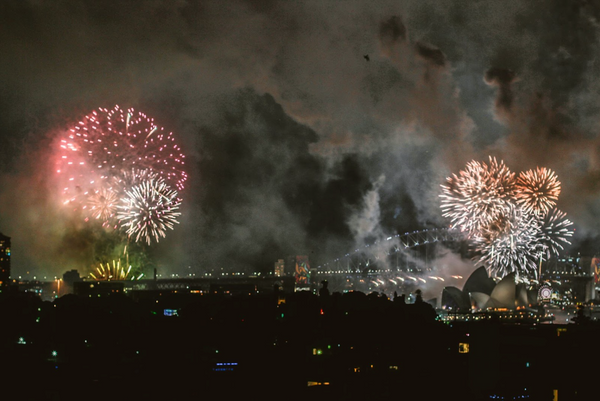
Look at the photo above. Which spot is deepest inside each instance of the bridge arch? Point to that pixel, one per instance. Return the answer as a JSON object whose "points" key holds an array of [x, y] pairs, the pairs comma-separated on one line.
{"points": [[363, 258]]}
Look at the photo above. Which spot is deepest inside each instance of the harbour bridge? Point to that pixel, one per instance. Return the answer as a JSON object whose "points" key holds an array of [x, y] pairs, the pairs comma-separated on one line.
{"points": [[400, 251]]}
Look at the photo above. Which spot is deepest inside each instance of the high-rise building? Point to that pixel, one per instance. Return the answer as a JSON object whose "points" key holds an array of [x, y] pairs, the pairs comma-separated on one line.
{"points": [[4, 260], [71, 276], [279, 267]]}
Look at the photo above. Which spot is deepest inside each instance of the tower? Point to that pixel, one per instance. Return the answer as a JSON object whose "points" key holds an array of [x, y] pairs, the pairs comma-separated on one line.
{"points": [[4, 260]]}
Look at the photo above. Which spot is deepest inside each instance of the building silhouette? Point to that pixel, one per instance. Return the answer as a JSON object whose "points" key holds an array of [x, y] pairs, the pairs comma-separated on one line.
{"points": [[4, 260]]}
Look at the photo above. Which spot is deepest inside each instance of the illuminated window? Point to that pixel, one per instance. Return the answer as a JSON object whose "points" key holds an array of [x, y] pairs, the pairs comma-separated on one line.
{"points": [[463, 348]]}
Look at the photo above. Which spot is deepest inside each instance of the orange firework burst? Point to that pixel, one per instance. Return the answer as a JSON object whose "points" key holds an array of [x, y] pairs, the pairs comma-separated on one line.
{"points": [[537, 190]]}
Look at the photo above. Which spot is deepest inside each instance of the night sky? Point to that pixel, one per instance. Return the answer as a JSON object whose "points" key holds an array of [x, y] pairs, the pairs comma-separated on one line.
{"points": [[310, 127]]}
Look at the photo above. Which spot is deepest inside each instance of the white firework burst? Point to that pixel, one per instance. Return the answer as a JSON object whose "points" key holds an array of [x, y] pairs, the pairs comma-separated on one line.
{"points": [[509, 244], [103, 204], [477, 195], [148, 210]]}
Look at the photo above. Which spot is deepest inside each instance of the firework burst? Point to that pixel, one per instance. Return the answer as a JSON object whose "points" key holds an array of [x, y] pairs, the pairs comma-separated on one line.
{"points": [[149, 210], [103, 204], [537, 190], [510, 223], [113, 159], [477, 195], [106, 143], [130, 178], [508, 244], [555, 231]]}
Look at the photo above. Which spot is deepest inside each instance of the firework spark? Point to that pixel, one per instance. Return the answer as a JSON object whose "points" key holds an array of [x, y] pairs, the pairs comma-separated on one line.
{"points": [[537, 190], [149, 210]]}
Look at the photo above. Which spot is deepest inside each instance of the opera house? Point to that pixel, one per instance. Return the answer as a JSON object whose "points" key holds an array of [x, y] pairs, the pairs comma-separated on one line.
{"points": [[482, 293]]}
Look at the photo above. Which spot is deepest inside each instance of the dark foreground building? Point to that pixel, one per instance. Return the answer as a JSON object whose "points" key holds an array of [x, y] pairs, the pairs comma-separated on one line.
{"points": [[276, 346]]}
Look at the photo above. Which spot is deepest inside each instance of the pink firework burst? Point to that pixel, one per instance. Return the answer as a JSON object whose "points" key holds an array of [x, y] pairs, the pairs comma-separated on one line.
{"points": [[108, 144]]}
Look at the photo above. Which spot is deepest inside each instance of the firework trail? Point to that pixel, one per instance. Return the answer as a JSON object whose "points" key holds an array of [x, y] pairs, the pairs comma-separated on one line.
{"points": [[107, 272], [537, 190], [510, 222], [149, 210]]}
